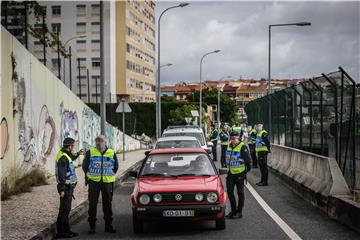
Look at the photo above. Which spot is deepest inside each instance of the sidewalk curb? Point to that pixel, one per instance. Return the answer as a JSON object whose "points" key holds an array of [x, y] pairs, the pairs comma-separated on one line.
{"points": [[78, 212]]}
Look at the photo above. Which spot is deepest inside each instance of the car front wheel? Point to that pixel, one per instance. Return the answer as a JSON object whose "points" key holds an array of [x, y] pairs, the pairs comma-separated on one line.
{"points": [[221, 224], [138, 226]]}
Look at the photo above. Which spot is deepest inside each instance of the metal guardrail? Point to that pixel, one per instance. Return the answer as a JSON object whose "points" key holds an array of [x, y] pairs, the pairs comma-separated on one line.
{"points": [[318, 115]]}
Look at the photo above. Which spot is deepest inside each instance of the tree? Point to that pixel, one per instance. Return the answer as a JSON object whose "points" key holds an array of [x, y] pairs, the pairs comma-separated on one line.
{"points": [[228, 106], [179, 114]]}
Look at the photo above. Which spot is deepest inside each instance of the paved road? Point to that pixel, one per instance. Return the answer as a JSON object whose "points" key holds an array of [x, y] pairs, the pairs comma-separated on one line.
{"points": [[298, 217]]}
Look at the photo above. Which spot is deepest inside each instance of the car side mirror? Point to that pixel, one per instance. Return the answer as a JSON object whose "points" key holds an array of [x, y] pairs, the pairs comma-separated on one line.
{"points": [[210, 144], [223, 171], [147, 152], [133, 174]]}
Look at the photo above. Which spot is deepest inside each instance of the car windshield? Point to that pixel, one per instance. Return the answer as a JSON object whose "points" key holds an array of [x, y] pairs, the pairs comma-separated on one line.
{"points": [[177, 164], [197, 135], [178, 144]]}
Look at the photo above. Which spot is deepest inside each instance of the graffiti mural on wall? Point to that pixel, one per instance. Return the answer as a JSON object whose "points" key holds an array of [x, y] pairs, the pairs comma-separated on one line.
{"points": [[91, 127], [36, 141], [4, 137], [69, 125]]}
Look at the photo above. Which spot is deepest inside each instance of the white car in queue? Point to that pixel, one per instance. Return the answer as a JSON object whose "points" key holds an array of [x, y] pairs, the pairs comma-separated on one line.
{"points": [[177, 142], [190, 131]]}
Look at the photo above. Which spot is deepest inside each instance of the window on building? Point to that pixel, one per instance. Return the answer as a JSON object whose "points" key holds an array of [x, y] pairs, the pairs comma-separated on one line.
{"points": [[81, 44], [55, 62], [56, 27], [80, 27], [81, 10], [95, 27], [82, 62], [95, 62], [95, 9], [95, 44], [56, 11]]}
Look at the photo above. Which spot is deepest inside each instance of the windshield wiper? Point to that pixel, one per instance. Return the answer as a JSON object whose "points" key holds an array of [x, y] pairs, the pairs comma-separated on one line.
{"points": [[184, 174], [153, 175]]}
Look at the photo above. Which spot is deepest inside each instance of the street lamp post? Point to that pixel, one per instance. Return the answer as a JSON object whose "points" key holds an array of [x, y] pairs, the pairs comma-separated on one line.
{"points": [[159, 124], [158, 98], [200, 101], [220, 89], [300, 24], [75, 37]]}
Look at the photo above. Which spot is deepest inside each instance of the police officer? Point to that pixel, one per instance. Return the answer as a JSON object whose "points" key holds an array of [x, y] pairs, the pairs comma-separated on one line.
{"points": [[239, 163], [214, 135], [262, 149], [100, 166], [224, 138], [252, 140], [66, 182], [238, 129]]}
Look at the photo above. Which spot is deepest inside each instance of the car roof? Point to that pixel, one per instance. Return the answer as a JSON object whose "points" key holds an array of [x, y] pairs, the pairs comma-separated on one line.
{"points": [[177, 138], [177, 130], [177, 150]]}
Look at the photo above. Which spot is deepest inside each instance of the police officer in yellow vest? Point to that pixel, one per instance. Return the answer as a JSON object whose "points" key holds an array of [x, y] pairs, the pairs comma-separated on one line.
{"points": [[224, 139], [262, 149], [252, 140], [100, 166], [66, 182], [239, 163]]}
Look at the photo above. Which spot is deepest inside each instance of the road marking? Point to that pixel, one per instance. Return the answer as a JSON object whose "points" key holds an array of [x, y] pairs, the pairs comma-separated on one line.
{"points": [[286, 228]]}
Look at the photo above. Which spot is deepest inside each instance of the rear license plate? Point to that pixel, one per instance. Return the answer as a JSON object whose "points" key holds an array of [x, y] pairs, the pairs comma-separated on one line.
{"points": [[178, 213]]}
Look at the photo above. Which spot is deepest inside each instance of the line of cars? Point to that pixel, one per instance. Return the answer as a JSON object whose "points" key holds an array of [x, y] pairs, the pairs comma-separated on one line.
{"points": [[178, 180]]}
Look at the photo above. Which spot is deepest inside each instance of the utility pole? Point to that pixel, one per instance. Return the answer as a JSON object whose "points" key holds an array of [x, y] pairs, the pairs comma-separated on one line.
{"points": [[102, 80]]}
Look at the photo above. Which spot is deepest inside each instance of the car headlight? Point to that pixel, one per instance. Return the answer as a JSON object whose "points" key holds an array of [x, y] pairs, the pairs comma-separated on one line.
{"points": [[212, 197], [144, 199], [157, 198], [199, 197]]}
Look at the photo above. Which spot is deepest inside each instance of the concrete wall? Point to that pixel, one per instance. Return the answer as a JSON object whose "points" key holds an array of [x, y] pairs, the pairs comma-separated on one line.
{"points": [[318, 173], [37, 112]]}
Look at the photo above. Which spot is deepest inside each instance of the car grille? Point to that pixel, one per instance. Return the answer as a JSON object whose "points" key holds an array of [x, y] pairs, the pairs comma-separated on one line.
{"points": [[185, 197]]}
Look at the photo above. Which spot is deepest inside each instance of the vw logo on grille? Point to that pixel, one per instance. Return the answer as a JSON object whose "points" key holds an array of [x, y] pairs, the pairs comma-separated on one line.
{"points": [[178, 197]]}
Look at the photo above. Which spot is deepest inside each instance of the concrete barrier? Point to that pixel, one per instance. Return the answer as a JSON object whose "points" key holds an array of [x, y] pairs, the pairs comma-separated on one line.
{"points": [[317, 179], [318, 173]]}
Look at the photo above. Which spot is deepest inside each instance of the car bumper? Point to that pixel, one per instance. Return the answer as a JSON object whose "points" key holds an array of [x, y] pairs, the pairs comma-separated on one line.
{"points": [[201, 212]]}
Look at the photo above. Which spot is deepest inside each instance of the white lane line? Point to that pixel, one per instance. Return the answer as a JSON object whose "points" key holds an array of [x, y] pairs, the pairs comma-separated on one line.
{"points": [[286, 228]]}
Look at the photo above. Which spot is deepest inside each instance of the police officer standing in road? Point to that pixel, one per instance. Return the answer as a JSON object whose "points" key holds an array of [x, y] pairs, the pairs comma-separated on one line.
{"points": [[224, 138], [262, 149], [66, 179], [100, 166], [252, 140], [239, 163], [214, 135]]}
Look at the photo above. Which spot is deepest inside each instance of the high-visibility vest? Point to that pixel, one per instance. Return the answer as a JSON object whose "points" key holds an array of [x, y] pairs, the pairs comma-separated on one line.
{"points": [[101, 166], [70, 174], [260, 143], [252, 137], [224, 138], [234, 160], [214, 135]]}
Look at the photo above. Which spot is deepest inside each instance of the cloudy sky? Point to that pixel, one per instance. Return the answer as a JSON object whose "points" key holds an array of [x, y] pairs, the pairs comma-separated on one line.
{"points": [[240, 30]]}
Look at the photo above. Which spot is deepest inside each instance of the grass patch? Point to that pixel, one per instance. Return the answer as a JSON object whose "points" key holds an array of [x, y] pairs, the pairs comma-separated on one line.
{"points": [[24, 184]]}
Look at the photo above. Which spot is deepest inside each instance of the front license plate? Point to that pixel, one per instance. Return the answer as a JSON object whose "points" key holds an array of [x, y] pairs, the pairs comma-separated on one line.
{"points": [[178, 213]]}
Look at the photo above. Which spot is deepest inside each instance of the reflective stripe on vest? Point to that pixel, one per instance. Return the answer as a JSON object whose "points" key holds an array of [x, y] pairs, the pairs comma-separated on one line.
{"points": [[260, 143], [101, 166], [70, 173], [252, 137], [234, 160]]}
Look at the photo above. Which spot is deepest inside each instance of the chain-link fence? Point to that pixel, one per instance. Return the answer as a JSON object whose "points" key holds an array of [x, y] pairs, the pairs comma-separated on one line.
{"points": [[318, 115]]}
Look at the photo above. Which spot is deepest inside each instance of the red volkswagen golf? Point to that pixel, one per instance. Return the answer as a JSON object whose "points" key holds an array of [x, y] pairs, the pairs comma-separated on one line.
{"points": [[178, 184]]}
